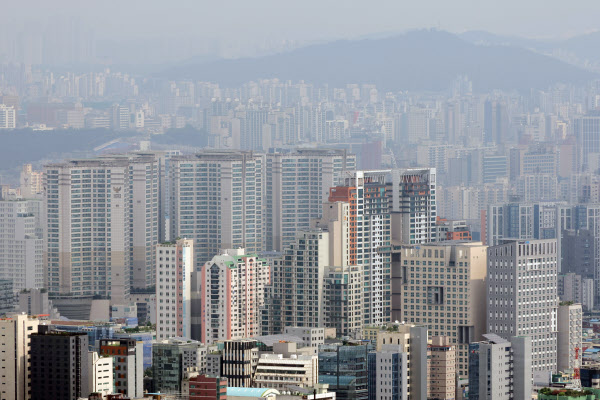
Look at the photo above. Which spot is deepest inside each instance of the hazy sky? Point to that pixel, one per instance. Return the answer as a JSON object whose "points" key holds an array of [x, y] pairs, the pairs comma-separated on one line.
{"points": [[311, 19]]}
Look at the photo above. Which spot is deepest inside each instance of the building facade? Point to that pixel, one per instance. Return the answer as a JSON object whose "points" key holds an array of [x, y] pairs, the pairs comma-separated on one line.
{"points": [[174, 266], [413, 204], [217, 199], [442, 286], [522, 295], [278, 372], [128, 363], [368, 240], [100, 373], [59, 365], [297, 186], [101, 225], [232, 294], [441, 369], [569, 336], [170, 360], [239, 360], [22, 244], [499, 369], [296, 294], [388, 373], [15, 359]]}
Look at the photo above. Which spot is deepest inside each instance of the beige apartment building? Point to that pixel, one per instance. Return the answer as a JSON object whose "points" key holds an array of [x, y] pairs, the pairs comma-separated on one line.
{"points": [[441, 363], [442, 286], [412, 340], [101, 225]]}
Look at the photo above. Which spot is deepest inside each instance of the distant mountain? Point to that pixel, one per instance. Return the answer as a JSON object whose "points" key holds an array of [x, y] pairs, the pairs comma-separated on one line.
{"points": [[487, 39], [586, 47], [581, 50], [417, 60]]}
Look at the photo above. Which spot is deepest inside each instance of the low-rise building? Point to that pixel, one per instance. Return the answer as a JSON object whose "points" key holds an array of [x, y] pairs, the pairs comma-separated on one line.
{"points": [[128, 361], [278, 372], [499, 369], [100, 373]]}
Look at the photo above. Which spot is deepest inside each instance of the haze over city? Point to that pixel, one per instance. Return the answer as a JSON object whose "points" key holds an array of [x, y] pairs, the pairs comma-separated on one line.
{"points": [[382, 200]]}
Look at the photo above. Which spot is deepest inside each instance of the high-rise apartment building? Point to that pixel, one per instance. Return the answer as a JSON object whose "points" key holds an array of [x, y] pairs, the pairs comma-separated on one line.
{"points": [[102, 224], [217, 199], [521, 221], [21, 244], [343, 299], [8, 117], [587, 131], [59, 365], [368, 240], [297, 186], [296, 293], [569, 335], [511, 221], [572, 287], [232, 295], [499, 369], [442, 286], [579, 242], [413, 205], [128, 363], [521, 293], [174, 265], [15, 359]]}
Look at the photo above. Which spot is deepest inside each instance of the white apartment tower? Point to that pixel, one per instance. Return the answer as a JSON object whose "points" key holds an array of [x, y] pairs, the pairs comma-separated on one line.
{"points": [[521, 291], [217, 198], [102, 225], [21, 244], [413, 205], [297, 186], [174, 265], [369, 238]]}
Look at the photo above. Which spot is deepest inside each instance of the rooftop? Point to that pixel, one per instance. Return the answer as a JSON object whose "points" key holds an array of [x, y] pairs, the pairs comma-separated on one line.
{"points": [[251, 392]]}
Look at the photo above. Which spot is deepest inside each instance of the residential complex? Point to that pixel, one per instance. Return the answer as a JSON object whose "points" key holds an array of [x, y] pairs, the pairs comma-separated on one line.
{"points": [[217, 199]]}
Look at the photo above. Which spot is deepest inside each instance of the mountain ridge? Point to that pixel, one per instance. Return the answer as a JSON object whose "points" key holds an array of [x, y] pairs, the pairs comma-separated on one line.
{"points": [[416, 60]]}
